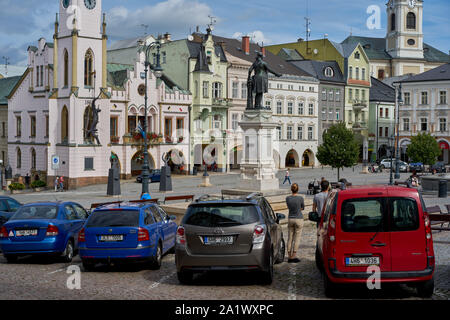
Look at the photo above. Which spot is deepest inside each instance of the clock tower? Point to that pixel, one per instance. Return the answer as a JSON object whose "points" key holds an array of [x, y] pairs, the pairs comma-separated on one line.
{"points": [[404, 38]]}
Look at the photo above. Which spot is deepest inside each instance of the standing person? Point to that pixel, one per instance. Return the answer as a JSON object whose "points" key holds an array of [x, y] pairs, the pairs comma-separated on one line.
{"points": [[61, 183], [287, 177], [56, 183], [321, 198], [295, 204], [27, 180]]}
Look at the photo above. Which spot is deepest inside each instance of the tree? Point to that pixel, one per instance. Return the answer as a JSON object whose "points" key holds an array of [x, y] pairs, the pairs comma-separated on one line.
{"points": [[424, 148], [339, 149]]}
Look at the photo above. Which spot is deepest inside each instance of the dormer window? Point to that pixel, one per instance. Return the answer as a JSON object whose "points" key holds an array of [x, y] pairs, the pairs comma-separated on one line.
{"points": [[329, 72], [357, 55]]}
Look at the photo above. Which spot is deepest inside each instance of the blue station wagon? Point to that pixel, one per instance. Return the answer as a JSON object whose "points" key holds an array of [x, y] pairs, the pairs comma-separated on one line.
{"points": [[43, 228], [127, 232], [8, 206]]}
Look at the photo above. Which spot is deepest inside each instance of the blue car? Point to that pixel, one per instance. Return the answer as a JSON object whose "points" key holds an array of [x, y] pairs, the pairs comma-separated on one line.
{"points": [[43, 228], [127, 232], [8, 206], [154, 176]]}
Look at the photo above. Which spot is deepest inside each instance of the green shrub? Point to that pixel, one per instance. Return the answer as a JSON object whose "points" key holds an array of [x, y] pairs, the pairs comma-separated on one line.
{"points": [[16, 186], [38, 184]]}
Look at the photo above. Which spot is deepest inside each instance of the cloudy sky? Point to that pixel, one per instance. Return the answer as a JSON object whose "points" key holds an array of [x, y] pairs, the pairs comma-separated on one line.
{"points": [[23, 22]]}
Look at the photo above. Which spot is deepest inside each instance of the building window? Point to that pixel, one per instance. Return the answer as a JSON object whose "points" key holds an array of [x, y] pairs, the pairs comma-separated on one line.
{"points": [[279, 133], [363, 74], [243, 90], [357, 55], [411, 21], [300, 133], [64, 125], [87, 121], [268, 104], [217, 90], [217, 122], [3, 130], [423, 124], [338, 96], [331, 95], [290, 107], [164, 57], [393, 22], [381, 112], [407, 98], [42, 76], [338, 114], [310, 133], [113, 127], [442, 125], [329, 72], [311, 89], [405, 124], [33, 158], [380, 132], [88, 69], [443, 97], [33, 126], [363, 92], [424, 98], [279, 107], [196, 88], [350, 72], [37, 76], [386, 113], [47, 126], [205, 89], [350, 95], [311, 109], [289, 132], [324, 114], [235, 91], [234, 121], [324, 95], [357, 73], [19, 159], [357, 94], [88, 164], [66, 68], [386, 132], [168, 128], [18, 127], [301, 108]]}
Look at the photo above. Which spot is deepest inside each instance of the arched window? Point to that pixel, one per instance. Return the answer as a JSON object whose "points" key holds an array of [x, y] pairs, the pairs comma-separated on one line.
{"points": [[33, 158], [87, 124], [411, 21], [19, 158], [88, 68], [66, 68], [393, 22], [64, 125]]}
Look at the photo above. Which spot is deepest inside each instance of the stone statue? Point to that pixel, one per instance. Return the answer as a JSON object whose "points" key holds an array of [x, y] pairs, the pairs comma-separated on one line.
{"points": [[165, 184], [114, 161], [93, 131], [259, 83]]}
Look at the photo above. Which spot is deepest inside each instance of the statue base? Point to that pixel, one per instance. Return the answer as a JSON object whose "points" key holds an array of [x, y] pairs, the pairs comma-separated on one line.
{"points": [[114, 183]]}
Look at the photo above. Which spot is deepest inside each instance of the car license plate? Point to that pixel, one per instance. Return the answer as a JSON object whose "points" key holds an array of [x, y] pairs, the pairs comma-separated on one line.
{"points": [[26, 233], [111, 238], [363, 261], [218, 240]]}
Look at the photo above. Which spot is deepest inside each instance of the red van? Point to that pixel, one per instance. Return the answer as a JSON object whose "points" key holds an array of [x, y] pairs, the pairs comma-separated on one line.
{"points": [[384, 226]]}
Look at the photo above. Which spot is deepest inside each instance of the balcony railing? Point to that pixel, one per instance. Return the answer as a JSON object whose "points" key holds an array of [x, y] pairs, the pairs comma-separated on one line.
{"points": [[221, 102]]}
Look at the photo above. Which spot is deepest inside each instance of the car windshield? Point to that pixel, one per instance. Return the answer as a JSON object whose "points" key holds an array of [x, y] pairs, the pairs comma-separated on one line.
{"points": [[35, 212], [119, 218], [221, 215]]}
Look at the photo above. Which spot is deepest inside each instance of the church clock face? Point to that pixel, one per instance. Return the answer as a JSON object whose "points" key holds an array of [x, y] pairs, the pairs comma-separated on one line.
{"points": [[65, 3], [412, 4], [90, 4]]}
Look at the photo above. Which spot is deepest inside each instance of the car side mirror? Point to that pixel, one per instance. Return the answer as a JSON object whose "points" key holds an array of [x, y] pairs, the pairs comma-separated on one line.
{"points": [[314, 217], [280, 217]]}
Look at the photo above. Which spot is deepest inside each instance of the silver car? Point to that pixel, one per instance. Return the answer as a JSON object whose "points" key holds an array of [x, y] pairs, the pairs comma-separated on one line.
{"points": [[240, 234]]}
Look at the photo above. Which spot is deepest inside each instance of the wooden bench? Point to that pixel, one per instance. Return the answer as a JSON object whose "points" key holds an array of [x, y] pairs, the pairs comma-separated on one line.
{"points": [[176, 198], [145, 201], [437, 217], [96, 205]]}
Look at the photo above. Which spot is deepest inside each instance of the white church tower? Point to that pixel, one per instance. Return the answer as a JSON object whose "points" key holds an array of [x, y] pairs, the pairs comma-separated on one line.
{"points": [[79, 62], [404, 37]]}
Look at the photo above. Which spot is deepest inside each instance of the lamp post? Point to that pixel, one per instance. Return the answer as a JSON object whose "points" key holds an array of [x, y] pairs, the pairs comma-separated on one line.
{"points": [[157, 70], [399, 103], [391, 146]]}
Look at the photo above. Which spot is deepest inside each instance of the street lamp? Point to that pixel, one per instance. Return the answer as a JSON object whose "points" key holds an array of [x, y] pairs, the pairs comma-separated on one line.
{"points": [[158, 71], [391, 146], [399, 103]]}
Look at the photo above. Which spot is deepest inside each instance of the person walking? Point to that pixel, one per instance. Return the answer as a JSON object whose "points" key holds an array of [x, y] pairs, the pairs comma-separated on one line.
{"points": [[56, 184], [321, 198], [295, 204], [61, 183], [287, 177]]}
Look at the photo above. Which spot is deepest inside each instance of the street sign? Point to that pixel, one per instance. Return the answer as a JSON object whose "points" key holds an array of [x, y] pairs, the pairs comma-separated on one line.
{"points": [[56, 162]]}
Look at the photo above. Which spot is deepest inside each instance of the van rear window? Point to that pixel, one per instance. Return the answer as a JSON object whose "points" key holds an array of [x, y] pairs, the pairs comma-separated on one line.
{"points": [[220, 215], [362, 215], [123, 218]]}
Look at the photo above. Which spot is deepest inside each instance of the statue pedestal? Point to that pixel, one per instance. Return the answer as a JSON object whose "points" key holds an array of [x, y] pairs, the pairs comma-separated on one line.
{"points": [[258, 172], [114, 182]]}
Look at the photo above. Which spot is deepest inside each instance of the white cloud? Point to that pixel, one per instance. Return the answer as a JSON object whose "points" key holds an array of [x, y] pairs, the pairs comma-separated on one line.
{"points": [[174, 16]]}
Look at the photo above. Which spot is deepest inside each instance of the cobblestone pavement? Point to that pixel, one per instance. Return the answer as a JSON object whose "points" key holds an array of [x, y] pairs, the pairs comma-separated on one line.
{"points": [[32, 278]]}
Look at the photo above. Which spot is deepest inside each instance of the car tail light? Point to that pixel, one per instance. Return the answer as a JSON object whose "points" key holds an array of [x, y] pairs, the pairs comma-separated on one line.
{"points": [[259, 234], [181, 235], [3, 233], [143, 235], [428, 232], [332, 229], [82, 236], [52, 231]]}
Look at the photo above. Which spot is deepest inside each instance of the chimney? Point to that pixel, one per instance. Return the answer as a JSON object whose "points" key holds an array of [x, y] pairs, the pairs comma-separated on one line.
{"points": [[167, 37], [246, 44], [263, 51], [222, 44]]}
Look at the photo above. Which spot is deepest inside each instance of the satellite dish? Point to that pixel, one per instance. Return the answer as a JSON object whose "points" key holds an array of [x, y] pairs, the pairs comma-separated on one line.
{"points": [[190, 38], [316, 51]]}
